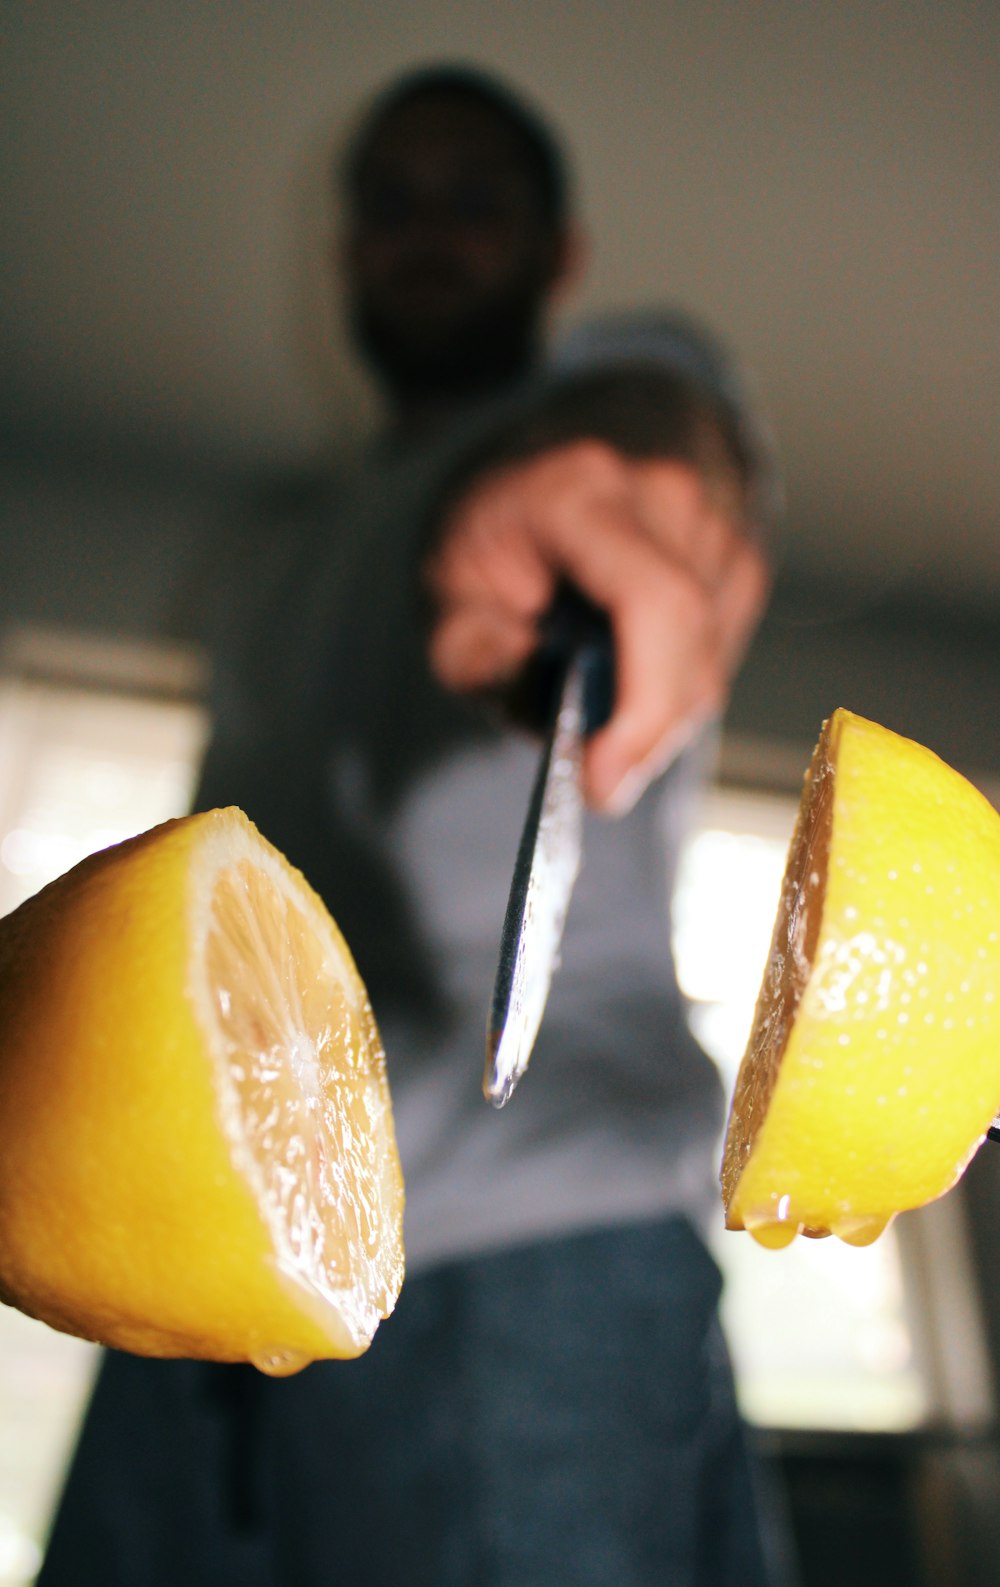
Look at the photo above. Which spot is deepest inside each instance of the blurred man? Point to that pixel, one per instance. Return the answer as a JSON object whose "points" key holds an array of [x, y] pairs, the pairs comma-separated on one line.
{"points": [[457, 238], [551, 1402]]}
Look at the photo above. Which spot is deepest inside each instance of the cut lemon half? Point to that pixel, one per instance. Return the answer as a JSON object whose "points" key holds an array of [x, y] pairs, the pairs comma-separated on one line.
{"points": [[872, 1070], [195, 1123]]}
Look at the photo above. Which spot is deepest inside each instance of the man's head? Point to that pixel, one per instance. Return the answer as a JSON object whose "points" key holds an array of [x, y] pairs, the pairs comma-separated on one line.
{"points": [[457, 235]]}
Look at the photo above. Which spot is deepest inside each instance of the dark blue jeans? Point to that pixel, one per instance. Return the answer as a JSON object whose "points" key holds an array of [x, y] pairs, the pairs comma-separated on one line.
{"points": [[557, 1415]]}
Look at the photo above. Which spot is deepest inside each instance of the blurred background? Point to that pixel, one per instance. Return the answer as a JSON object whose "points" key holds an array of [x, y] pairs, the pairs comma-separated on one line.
{"points": [[818, 183]]}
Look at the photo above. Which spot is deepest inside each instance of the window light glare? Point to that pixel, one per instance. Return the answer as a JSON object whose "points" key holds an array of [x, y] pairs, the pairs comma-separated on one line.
{"points": [[727, 899], [29, 852], [20, 1555]]}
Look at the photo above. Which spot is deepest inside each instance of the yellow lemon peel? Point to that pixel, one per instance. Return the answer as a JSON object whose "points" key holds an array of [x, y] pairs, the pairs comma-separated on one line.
{"points": [[872, 1070]]}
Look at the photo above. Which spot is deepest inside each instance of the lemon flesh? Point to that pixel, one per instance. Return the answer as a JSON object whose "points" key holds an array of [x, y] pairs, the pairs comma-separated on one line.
{"points": [[195, 1121], [872, 1071]]}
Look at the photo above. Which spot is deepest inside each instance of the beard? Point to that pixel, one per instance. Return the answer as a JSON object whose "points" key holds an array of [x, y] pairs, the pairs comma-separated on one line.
{"points": [[445, 349]]}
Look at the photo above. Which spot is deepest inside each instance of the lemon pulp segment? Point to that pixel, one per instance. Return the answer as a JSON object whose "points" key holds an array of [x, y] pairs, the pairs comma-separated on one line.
{"points": [[295, 1037]]}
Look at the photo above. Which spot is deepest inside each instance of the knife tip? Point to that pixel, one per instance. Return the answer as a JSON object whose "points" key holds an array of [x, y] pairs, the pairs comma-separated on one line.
{"points": [[499, 1084], [499, 1096]]}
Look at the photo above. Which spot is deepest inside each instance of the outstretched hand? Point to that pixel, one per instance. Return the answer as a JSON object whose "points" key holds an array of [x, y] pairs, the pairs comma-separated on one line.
{"points": [[648, 541]]}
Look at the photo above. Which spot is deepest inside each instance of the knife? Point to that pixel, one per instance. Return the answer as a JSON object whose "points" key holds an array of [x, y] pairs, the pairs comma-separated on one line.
{"points": [[569, 686]]}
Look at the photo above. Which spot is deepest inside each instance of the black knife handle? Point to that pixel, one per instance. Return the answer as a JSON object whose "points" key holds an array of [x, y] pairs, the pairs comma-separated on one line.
{"points": [[572, 626]]}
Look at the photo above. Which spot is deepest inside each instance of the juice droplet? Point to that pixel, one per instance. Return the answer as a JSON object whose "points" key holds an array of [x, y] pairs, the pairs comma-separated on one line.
{"points": [[858, 1230], [771, 1231], [279, 1363]]}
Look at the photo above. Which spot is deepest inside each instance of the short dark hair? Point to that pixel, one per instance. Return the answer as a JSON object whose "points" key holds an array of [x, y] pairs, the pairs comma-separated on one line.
{"points": [[545, 159]]}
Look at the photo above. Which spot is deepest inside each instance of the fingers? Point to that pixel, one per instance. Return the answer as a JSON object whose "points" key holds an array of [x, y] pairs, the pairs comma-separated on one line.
{"points": [[740, 599], [677, 650], [490, 581], [477, 646], [646, 541], [667, 683]]}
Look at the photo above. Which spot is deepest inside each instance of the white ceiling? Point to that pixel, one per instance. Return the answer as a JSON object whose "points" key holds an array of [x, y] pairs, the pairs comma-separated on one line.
{"points": [[818, 180]]}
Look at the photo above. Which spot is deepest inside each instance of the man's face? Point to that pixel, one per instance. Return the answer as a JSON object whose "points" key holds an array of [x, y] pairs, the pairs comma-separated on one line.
{"points": [[449, 259]]}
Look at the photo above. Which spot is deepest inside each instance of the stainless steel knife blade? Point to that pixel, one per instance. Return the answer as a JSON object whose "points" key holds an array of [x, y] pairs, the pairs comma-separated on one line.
{"points": [[548, 860], [549, 853]]}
